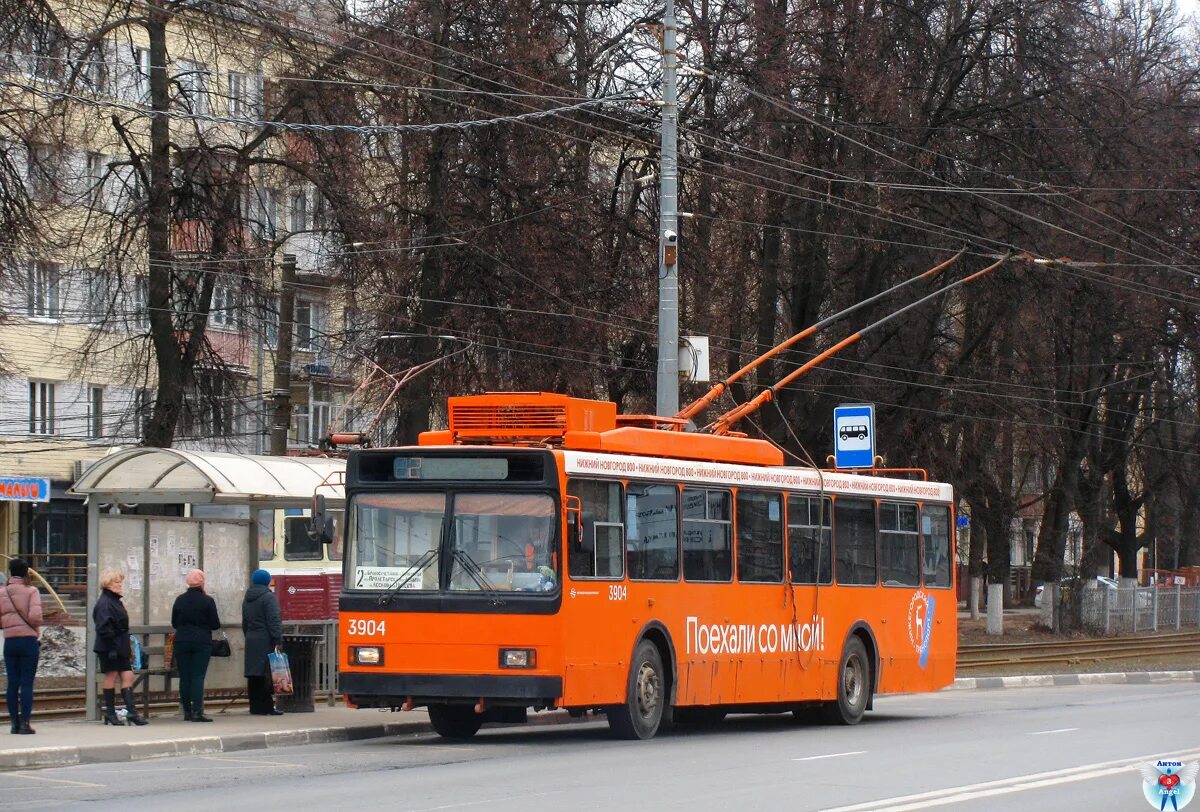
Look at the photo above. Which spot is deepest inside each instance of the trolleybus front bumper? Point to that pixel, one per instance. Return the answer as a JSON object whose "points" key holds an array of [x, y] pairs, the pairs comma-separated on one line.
{"points": [[367, 690]]}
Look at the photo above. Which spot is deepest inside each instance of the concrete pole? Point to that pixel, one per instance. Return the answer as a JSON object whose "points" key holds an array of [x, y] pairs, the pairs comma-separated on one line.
{"points": [[995, 609], [668, 228], [93, 592], [281, 391]]}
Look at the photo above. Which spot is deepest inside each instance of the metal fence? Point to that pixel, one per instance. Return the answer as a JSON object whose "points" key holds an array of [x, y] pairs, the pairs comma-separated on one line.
{"points": [[1120, 610]]}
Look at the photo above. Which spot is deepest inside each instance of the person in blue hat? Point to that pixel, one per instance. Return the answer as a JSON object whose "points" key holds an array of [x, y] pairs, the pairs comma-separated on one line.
{"points": [[263, 628]]}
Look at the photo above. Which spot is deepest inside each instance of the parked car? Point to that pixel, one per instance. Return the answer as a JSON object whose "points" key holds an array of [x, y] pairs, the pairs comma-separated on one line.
{"points": [[1144, 598]]}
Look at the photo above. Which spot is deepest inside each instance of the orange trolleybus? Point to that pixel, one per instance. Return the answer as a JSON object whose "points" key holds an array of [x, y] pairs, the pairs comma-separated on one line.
{"points": [[545, 552]]}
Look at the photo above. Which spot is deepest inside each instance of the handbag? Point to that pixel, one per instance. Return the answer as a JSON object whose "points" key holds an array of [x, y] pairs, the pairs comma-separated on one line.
{"points": [[220, 646]]}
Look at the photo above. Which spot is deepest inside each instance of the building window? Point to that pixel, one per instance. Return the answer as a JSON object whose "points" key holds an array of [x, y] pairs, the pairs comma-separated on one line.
{"points": [[321, 413], [41, 407], [192, 81], [143, 410], [139, 316], [210, 409], [810, 519], [226, 308], [898, 545], [133, 80], [45, 280], [310, 325], [41, 172], [298, 212], [245, 95], [707, 535], [96, 412], [97, 168], [759, 537], [854, 528]]}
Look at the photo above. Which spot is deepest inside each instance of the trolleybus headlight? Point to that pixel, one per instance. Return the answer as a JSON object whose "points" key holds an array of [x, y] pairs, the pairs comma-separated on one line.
{"points": [[366, 655], [518, 658]]}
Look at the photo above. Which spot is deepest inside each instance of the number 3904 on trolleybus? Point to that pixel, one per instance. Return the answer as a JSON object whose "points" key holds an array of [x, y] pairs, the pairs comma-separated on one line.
{"points": [[545, 552]]}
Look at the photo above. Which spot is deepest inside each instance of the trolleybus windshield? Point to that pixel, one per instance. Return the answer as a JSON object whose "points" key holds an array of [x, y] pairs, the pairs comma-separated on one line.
{"points": [[499, 542]]}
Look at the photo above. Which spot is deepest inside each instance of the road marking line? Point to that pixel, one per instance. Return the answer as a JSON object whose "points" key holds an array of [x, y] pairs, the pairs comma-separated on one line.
{"points": [[56, 780], [1056, 730], [1004, 786], [831, 755]]}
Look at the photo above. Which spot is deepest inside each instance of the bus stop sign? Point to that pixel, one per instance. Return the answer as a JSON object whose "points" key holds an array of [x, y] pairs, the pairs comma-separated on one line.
{"points": [[854, 436]]}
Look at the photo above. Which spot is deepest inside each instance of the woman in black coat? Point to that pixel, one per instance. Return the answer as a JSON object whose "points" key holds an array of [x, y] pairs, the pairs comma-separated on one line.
{"points": [[194, 618], [263, 628], [113, 649]]}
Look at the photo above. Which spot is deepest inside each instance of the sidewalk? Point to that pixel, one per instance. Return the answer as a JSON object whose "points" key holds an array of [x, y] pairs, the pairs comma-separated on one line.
{"points": [[58, 744]]}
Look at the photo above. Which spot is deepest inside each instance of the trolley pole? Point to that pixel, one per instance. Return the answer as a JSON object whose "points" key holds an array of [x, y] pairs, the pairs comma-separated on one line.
{"points": [[668, 227]]}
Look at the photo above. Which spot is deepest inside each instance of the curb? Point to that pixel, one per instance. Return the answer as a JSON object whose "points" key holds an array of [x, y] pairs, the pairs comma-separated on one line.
{"points": [[43, 757], [1050, 680]]}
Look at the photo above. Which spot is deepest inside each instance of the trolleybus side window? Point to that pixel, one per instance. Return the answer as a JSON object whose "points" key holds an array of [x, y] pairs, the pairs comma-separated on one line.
{"points": [[899, 550], [503, 541], [854, 525], [652, 531], [597, 549], [805, 515], [707, 535], [396, 537], [297, 546], [759, 537], [935, 528]]}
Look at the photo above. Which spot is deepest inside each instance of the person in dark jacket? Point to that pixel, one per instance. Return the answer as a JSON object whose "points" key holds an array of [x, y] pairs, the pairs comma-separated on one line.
{"points": [[263, 628], [194, 618], [21, 617], [113, 649]]}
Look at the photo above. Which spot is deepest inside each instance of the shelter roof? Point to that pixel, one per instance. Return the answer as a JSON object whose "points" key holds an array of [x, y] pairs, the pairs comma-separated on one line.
{"points": [[169, 475]]}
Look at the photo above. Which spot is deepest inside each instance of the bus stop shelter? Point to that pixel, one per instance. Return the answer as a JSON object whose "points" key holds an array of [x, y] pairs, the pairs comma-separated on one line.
{"points": [[155, 552]]}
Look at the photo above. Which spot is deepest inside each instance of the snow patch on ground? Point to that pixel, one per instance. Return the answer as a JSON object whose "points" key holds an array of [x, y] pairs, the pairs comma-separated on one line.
{"points": [[63, 652]]}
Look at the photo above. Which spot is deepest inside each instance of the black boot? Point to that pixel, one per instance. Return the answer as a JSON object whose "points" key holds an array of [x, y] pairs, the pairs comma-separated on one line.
{"points": [[16, 725], [25, 728], [110, 708], [187, 713], [131, 708]]}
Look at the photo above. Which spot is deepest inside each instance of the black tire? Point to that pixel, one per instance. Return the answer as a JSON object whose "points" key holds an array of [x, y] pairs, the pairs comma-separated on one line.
{"points": [[699, 716], [854, 686], [454, 721], [645, 696]]}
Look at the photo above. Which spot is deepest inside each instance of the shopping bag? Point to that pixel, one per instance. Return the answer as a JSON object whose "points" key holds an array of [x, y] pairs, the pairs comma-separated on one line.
{"points": [[135, 653], [281, 672]]}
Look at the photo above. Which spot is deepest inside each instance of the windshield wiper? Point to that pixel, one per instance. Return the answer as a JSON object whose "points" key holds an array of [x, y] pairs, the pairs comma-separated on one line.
{"points": [[416, 567], [477, 575]]}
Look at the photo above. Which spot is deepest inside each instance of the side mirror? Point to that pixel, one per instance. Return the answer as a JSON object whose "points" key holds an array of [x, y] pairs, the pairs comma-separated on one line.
{"points": [[320, 528]]}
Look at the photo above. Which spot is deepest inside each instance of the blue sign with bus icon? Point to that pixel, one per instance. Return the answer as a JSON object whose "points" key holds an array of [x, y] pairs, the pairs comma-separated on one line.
{"points": [[854, 436]]}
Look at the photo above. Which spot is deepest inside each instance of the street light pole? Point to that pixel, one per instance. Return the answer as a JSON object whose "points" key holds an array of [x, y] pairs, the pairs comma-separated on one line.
{"points": [[668, 227]]}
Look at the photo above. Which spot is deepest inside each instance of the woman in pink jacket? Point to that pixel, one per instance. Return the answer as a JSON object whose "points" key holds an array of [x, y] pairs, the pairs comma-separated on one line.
{"points": [[21, 618]]}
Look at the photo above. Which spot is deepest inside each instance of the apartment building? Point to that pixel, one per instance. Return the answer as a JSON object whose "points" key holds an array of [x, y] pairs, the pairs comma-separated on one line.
{"points": [[77, 372]]}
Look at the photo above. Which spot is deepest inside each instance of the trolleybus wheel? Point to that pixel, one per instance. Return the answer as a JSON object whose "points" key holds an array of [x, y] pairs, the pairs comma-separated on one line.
{"points": [[642, 713], [454, 721], [854, 686]]}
